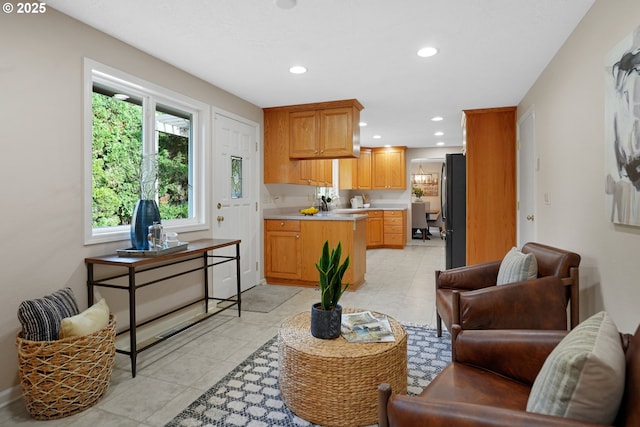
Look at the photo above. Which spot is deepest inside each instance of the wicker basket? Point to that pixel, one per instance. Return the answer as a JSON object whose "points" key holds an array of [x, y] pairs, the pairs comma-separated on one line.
{"points": [[64, 377]]}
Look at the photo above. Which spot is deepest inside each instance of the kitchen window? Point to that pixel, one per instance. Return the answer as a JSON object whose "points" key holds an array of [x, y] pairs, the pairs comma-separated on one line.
{"points": [[129, 121]]}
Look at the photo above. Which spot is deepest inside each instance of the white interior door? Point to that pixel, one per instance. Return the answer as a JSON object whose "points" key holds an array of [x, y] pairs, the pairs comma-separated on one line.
{"points": [[235, 198], [526, 178]]}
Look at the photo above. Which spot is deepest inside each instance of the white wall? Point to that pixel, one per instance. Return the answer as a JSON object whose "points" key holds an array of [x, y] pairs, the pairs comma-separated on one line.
{"points": [[568, 99], [41, 162]]}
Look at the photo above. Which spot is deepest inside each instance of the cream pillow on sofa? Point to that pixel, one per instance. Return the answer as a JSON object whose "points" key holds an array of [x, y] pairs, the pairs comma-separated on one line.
{"points": [[516, 267], [584, 376], [89, 321]]}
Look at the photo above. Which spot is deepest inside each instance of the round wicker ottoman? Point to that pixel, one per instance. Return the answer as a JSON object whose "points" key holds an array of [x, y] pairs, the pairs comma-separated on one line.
{"points": [[334, 382]]}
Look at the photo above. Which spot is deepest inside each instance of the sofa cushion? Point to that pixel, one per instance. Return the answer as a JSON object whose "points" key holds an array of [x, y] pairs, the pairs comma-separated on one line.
{"points": [[516, 267], [89, 321], [584, 376], [41, 317]]}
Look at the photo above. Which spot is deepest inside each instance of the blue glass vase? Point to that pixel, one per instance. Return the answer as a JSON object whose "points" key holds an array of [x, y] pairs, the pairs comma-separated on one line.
{"points": [[145, 214]]}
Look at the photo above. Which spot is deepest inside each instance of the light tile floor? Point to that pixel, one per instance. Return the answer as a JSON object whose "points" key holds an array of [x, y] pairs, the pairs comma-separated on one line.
{"points": [[176, 372]]}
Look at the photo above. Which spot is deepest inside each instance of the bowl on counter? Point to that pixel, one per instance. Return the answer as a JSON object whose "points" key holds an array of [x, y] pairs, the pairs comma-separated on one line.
{"points": [[367, 205]]}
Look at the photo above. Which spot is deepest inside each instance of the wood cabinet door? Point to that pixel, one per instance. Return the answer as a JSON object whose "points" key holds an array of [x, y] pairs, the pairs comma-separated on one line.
{"points": [[313, 234], [303, 134], [388, 169], [356, 173], [363, 165], [375, 235], [348, 173], [282, 254], [336, 132], [325, 172], [316, 172], [396, 170], [379, 169]]}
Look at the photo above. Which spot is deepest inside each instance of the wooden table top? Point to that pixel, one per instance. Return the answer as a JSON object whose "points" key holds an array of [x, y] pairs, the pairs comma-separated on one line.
{"points": [[194, 248]]}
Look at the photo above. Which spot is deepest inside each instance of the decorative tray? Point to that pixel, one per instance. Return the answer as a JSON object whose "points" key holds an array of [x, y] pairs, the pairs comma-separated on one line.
{"points": [[130, 252]]}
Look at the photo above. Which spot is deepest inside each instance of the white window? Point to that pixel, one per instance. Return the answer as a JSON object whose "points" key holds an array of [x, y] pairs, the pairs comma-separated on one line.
{"points": [[127, 122]]}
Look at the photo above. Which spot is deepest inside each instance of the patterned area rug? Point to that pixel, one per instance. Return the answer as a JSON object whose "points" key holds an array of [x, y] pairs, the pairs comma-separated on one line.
{"points": [[249, 395]]}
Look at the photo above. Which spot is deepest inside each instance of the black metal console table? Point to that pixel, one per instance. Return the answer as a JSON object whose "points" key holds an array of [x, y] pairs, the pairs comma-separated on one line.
{"points": [[134, 265]]}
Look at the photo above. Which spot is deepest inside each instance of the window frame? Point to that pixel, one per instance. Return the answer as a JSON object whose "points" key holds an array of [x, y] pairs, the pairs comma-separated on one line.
{"points": [[152, 95]]}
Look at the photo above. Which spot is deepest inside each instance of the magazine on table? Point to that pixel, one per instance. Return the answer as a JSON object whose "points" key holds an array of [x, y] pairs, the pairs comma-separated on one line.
{"points": [[366, 327]]}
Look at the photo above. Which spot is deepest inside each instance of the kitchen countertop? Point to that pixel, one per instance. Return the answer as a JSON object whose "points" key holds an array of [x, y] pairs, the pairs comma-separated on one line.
{"points": [[337, 214], [320, 216], [374, 208]]}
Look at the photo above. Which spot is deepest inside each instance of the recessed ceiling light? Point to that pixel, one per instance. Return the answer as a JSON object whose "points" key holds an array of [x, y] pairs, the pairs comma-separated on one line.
{"points": [[440, 143], [297, 69], [362, 124], [285, 4], [426, 52], [439, 133], [436, 119], [376, 137]]}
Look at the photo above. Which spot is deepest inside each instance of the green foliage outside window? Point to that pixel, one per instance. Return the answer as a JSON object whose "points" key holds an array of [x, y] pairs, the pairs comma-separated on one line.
{"points": [[116, 165]]}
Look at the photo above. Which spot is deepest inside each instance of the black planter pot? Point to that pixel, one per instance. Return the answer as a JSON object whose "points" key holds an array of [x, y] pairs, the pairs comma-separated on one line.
{"points": [[325, 324]]}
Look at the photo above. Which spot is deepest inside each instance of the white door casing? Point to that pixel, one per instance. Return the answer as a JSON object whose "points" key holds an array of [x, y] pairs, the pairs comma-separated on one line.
{"points": [[235, 216], [527, 166]]}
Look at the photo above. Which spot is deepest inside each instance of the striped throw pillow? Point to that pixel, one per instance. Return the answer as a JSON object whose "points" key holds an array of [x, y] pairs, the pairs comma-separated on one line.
{"points": [[41, 317], [516, 267], [584, 376]]}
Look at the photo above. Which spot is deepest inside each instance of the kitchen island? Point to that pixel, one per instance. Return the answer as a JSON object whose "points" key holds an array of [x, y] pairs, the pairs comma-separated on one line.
{"points": [[293, 244]]}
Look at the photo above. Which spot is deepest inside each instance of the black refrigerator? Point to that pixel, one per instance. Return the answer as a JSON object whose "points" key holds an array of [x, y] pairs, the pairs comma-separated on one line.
{"points": [[454, 209]]}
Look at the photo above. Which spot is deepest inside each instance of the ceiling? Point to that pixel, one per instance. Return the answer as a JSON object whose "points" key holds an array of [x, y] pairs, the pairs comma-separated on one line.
{"points": [[490, 52]]}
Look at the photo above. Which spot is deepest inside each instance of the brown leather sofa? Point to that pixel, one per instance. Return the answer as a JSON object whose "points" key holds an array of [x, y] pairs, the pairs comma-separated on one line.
{"points": [[489, 381], [506, 303]]}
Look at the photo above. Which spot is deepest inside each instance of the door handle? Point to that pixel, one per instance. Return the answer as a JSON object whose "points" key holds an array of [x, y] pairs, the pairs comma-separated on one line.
{"points": [[220, 218], [529, 217]]}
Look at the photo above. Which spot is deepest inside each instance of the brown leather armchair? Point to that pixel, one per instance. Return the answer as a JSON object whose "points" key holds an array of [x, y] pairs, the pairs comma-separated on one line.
{"points": [[489, 381], [505, 303]]}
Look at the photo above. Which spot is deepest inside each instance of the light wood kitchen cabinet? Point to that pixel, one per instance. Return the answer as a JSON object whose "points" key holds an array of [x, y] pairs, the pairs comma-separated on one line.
{"points": [[325, 130], [388, 168], [355, 174], [282, 249], [316, 172], [352, 235], [292, 249], [394, 229], [278, 167], [491, 183], [375, 229]]}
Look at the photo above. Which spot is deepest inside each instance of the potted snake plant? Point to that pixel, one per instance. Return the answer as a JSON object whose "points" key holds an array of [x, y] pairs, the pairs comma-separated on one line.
{"points": [[326, 315]]}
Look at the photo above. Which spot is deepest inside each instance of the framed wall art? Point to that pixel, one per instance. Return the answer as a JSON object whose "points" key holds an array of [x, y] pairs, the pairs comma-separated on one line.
{"points": [[622, 131]]}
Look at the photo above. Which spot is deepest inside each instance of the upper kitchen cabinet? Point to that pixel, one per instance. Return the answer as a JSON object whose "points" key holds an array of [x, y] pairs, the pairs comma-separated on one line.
{"points": [[491, 183], [325, 130], [278, 167], [316, 172], [388, 168], [355, 174], [328, 121]]}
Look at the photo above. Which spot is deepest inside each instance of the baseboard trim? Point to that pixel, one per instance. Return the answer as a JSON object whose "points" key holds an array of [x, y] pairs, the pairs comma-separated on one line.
{"points": [[10, 395]]}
